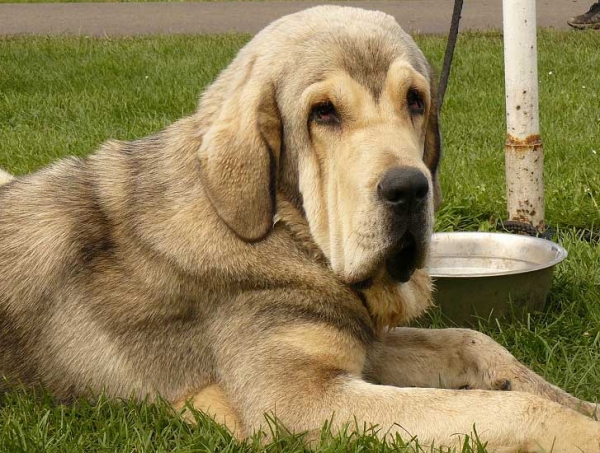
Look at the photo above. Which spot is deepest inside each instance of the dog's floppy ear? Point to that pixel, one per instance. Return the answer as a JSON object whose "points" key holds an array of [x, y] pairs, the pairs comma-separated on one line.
{"points": [[239, 156], [433, 144]]}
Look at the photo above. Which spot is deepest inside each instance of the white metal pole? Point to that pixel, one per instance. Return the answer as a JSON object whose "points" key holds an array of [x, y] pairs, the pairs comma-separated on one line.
{"points": [[524, 156]]}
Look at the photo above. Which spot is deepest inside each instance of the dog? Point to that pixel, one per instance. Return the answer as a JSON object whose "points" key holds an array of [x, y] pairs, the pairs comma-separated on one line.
{"points": [[261, 255]]}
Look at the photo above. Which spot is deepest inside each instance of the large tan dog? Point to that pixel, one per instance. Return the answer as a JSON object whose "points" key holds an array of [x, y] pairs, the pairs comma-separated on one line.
{"points": [[252, 257]]}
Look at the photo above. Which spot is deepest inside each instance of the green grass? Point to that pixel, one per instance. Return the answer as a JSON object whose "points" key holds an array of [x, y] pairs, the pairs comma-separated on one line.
{"points": [[63, 95], [36, 424]]}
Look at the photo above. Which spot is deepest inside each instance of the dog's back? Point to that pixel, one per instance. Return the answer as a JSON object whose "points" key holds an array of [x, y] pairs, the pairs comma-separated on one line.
{"points": [[38, 251], [78, 288]]}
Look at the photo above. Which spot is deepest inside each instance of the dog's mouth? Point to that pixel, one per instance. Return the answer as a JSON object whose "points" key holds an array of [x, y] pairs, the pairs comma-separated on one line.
{"points": [[402, 263], [399, 265]]}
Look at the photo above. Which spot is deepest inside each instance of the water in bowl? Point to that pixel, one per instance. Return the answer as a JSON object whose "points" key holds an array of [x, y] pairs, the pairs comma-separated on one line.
{"points": [[476, 265]]}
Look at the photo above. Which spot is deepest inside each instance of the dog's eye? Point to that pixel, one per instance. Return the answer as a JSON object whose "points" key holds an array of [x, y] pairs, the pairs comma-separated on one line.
{"points": [[415, 102], [325, 112]]}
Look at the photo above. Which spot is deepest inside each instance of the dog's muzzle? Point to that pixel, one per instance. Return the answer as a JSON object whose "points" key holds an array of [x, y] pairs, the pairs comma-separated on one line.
{"points": [[404, 190]]}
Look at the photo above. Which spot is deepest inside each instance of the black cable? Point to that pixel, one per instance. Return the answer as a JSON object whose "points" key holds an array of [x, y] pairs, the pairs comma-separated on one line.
{"points": [[450, 45], [583, 234], [514, 226]]}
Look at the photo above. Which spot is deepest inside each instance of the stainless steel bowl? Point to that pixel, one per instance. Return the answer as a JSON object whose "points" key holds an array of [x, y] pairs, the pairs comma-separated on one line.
{"points": [[490, 274]]}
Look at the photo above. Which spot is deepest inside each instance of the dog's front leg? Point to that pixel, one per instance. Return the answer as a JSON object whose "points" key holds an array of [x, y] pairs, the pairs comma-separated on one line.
{"points": [[307, 374], [457, 359], [212, 401]]}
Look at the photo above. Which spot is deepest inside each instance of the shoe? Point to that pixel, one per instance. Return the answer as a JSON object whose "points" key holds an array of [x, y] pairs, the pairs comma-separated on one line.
{"points": [[591, 19]]}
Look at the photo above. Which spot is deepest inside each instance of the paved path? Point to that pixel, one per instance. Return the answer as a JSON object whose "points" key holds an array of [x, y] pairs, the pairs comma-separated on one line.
{"points": [[114, 19]]}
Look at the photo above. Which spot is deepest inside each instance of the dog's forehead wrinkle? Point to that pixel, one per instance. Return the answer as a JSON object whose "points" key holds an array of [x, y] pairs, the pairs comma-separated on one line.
{"points": [[365, 53], [367, 64]]}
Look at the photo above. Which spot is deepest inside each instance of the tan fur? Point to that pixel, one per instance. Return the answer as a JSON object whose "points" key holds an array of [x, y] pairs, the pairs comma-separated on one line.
{"points": [[212, 401], [325, 345], [394, 305], [239, 258]]}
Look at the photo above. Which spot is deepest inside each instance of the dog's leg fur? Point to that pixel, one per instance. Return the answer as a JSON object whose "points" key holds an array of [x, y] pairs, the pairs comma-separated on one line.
{"points": [[304, 385], [408, 357], [214, 403], [458, 359]]}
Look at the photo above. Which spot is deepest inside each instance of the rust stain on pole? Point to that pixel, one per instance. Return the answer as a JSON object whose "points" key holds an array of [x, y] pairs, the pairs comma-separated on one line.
{"points": [[531, 142], [526, 155]]}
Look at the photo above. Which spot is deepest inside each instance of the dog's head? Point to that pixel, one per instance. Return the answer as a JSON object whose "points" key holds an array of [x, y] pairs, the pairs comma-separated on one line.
{"points": [[335, 108]]}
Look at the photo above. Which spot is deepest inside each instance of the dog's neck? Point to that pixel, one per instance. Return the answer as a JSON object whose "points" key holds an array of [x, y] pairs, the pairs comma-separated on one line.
{"points": [[390, 304], [293, 218]]}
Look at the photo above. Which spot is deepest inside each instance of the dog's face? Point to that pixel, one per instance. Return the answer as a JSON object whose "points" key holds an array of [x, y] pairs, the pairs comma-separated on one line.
{"points": [[372, 208], [332, 107]]}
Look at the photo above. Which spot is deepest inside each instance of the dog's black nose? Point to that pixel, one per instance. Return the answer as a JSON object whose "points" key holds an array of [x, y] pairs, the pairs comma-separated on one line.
{"points": [[403, 188]]}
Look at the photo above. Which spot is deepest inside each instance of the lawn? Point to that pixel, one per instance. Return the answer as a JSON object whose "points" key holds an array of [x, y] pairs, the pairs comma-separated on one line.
{"points": [[65, 95]]}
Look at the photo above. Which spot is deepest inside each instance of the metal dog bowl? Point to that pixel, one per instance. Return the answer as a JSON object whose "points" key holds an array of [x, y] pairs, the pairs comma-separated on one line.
{"points": [[478, 275]]}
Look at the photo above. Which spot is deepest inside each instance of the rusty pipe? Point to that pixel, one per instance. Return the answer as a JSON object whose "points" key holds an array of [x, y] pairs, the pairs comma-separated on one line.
{"points": [[524, 157]]}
